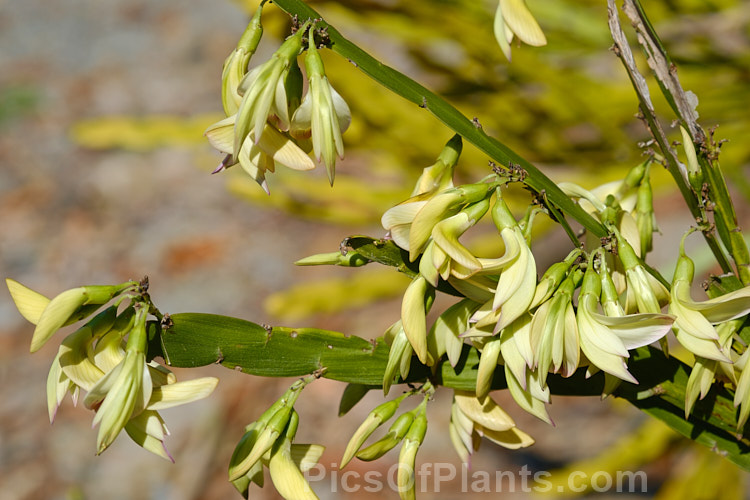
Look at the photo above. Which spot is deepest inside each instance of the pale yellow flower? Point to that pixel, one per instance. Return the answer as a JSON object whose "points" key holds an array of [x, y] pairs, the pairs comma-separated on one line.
{"points": [[513, 17]]}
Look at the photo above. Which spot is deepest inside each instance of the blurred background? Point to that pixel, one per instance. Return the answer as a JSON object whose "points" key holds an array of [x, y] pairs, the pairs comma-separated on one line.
{"points": [[105, 177]]}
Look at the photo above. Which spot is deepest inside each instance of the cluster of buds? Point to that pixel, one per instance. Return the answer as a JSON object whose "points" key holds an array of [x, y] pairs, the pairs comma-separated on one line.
{"points": [[268, 121], [268, 441], [409, 428], [106, 357]]}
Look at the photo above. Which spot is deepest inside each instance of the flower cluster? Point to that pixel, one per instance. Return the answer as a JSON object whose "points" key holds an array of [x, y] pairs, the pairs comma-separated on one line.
{"points": [[587, 312], [268, 121], [268, 441], [124, 388]]}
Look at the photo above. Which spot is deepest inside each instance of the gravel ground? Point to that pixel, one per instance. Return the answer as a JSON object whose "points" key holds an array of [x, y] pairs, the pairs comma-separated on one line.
{"points": [[73, 216]]}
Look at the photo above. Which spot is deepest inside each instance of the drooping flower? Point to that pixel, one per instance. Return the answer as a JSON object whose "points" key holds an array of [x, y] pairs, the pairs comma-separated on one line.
{"points": [[323, 113], [256, 159], [264, 92], [414, 307], [435, 179], [517, 283], [643, 290], [285, 473], [489, 421], [513, 17], [554, 332], [694, 326], [606, 340], [444, 254]]}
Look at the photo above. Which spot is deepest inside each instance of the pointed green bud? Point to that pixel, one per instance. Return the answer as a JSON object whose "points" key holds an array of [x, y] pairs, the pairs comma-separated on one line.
{"points": [[644, 214], [694, 172], [439, 176], [351, 259], [552, 278], [235, 66], [263, 440], [395, 434], [408, 455], [64, 306], [374, 420], [632, 179]]}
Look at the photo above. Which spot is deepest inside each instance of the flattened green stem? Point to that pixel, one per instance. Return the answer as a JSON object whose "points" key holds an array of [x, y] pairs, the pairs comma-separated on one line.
{"points": [[412, 91]]}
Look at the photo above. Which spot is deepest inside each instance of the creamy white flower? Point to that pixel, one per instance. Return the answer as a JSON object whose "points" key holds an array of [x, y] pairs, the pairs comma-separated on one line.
{"points": [[513, 17]]}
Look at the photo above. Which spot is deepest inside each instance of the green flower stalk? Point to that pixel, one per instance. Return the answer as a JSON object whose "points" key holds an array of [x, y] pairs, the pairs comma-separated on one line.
{"points": [[323, 114], [513, 18]]}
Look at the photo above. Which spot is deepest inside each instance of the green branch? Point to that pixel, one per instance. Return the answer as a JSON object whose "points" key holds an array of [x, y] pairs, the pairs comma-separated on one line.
{"points": [[192, 340]]}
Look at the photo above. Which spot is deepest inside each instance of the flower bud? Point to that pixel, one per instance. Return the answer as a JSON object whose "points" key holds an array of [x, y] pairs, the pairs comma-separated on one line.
{"points": [[374, 419], [408, 456], [64, 306], [487, 364], [235, 66], [351, 259], [395, 434]]}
